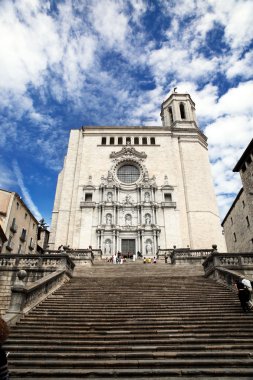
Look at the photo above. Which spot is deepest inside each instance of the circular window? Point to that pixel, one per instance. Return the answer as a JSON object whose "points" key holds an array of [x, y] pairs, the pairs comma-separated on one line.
{"points": [[128, 173]]}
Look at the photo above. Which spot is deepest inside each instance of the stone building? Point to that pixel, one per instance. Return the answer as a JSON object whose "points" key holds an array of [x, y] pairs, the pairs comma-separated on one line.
{"points": [[238, 223], [138, 188], [18, 223], [3, 237]]}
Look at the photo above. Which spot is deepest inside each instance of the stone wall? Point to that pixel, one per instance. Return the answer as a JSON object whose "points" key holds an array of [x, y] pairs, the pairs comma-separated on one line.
{"points": [[238, 226], [6, 282], [36, 267]]}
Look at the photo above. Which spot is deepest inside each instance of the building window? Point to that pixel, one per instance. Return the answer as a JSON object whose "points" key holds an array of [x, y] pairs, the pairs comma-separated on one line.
{"points": [[152, 141], [120, 140], [167, 197], [19, 248], [103, 140], [33, 226], [88, 197], [128, 140], [13, 226], [243, 168], [17, 205], [243, 204], [23, 235], [231, 220], [144, 140], [111, 140], [234, 237], [136, 140], [9, 244], [182, 111], [249, 160], [25, 215], [247, 220], [128, 173], [171, 115]]}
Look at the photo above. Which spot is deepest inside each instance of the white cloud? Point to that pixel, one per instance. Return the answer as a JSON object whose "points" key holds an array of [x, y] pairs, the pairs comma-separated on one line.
{"points": [[180, 63], [7, 179], [25, 192], [110, 22], [239, 26], [241, 67], [237, 100]]}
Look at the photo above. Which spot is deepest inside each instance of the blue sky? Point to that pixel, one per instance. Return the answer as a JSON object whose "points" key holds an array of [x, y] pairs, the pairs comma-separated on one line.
{"points": [[67, 63]]}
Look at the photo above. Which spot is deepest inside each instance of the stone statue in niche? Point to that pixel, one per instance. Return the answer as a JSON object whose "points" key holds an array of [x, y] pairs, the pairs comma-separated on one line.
{"points": [[147, 219], [109, 197], [166, 181], [148, 248], [108, 247], [128, 199], [108, 219], [147, 197], [128, 220]]}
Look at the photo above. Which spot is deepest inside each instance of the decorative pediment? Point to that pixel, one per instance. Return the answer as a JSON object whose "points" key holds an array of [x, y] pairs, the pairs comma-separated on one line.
{"points": [[128, 152]]}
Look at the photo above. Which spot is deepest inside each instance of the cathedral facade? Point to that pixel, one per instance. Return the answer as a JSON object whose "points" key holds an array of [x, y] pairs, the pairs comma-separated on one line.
{"points": [[133, 189]]}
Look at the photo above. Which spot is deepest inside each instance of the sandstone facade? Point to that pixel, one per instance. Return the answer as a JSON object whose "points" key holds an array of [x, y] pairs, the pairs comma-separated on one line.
{"points": [[133, 189], [18, 224]]}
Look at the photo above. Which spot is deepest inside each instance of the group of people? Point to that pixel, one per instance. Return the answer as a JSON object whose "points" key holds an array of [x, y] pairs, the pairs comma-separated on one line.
{"points": [[244, 288], [149, 260]]}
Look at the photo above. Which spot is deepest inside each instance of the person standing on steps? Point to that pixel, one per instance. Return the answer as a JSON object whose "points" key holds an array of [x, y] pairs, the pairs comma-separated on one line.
{"points": [[247, 283], [243, 294], [4, 332]]}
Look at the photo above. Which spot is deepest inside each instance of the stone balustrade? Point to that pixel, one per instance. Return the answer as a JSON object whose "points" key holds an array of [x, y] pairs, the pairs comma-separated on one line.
{"points": [[36, 266], [226, 277], [242, 262], [184, 256], [189, 256], [24, 297], [48, 263], [78, 256]]}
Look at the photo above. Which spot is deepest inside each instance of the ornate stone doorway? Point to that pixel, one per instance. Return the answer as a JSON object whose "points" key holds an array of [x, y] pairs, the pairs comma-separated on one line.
{"points": [[128, 247]]}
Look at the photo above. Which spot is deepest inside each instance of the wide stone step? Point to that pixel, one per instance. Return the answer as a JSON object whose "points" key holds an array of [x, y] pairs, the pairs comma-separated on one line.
{"points": [[68, 355], [156, 342], [224, 373], [118, 334], [131, 363], [237, 346], [153, 326]]}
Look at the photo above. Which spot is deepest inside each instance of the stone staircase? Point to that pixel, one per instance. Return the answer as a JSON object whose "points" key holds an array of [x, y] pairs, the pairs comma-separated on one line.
{"points": [[135, 321]]}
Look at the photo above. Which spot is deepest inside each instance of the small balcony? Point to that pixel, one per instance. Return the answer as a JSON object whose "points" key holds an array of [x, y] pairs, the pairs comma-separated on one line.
{"points": [[31, 245], [169, 205], [87, 204], [23, 237], [14, 227], [10, 245]]}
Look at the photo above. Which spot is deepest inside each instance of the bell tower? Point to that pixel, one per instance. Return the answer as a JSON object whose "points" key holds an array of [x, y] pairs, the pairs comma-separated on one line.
{"points": [[178, 111]]}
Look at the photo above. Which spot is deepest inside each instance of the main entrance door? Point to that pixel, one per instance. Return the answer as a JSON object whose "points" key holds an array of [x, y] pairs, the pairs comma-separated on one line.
{"points": [[128, 247]]}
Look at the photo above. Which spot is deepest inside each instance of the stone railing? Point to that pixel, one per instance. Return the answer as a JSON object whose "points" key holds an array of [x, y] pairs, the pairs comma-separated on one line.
{"points": [[36, 266], [184, 256], [226, 277], [242, 262], [164, 255], [24, 297], [189, 256], [78, 256], [46, 263]]}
